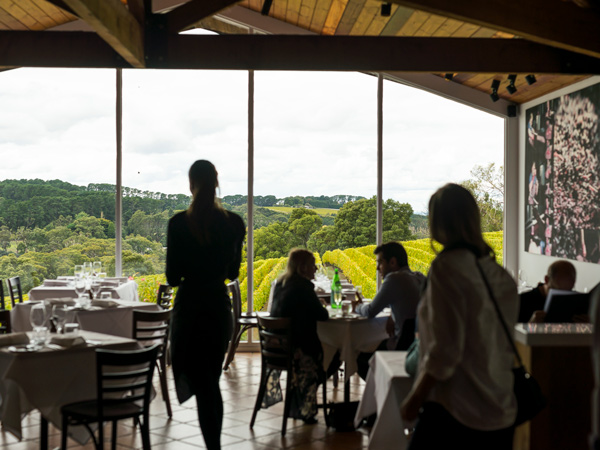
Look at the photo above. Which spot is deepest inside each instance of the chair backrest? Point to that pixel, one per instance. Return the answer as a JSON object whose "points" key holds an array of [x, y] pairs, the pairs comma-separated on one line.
{"points": [[275, 342], [2, 303], [236, 298], [125, 377], [164, 296], [152, 327], [14, 289], [5, 325]]}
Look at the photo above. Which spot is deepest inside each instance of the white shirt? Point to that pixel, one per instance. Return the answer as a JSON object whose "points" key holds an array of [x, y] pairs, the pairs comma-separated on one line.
{"points": [[400, 291], [462, 343]]}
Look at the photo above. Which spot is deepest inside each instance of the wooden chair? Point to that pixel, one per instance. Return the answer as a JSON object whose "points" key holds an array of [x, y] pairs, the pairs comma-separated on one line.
{"points": [[124, 388], [164, 296], [2, 302], [5, 325], [277, 354], [14, 289], [152, 327], [241, 321]]}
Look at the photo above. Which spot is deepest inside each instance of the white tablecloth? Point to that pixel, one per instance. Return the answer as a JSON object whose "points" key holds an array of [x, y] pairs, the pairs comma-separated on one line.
{"points": [[350, 337], [115, 321], [47, 379], [126, 291], [387, 386]]}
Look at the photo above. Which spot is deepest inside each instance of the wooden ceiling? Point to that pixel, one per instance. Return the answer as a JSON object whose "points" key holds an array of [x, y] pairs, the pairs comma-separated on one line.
{"points": [[475, 41]]}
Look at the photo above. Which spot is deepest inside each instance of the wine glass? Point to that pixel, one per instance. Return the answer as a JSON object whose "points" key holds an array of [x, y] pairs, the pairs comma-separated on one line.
{"points": [[87, 269], [37, 318], [59, 313], [80, 286], [337, 298], [95, 286], [96, 267], [78, 271]]}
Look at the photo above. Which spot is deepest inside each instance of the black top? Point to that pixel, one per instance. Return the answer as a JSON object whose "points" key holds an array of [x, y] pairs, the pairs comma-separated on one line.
{"points": [[190, 262], [297, 300], [201, 322], [530, 301]]}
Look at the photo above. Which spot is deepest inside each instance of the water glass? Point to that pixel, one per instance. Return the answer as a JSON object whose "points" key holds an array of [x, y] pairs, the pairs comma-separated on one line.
{"points": [[37, 316], [84, 301], [80, 286], [96, 267], [346, 307], [59, 313]]}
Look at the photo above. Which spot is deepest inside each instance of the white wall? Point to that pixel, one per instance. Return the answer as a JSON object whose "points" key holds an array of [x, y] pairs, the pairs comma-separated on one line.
{"points": [[535, 266]]}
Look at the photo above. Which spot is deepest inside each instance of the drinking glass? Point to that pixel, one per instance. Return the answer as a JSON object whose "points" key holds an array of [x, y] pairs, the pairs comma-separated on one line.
{"points": [[85, 301], [96, 267], [87, 269], [95, 286], [80, 286], [78, 271], [59, 312], [337, 299], [37, 316]]}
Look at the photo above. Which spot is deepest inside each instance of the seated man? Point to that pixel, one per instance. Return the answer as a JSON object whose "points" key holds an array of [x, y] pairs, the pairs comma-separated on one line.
{"points": [[401, 290], [561, 275]]}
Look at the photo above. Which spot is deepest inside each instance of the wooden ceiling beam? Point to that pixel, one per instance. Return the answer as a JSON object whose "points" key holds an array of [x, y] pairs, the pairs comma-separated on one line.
{"points": [[193, 11], [115, 24], [556, 23], [266, 52]]}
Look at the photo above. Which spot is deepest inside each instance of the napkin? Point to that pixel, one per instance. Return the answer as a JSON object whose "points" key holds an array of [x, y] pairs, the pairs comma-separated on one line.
{"points": [[14, 339], [67, 341], [102, 303], [56, 283], [67, 301]]}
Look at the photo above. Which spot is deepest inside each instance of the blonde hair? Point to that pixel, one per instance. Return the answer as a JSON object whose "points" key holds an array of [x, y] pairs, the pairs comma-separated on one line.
{"points": [[298, 260], [454, 219]]}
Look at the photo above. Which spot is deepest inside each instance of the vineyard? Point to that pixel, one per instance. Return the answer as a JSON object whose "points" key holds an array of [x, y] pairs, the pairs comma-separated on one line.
{"points": [[357, 264]]}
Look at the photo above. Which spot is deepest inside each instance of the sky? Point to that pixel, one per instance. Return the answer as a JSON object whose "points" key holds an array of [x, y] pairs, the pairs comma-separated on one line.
{"points": [[315, 133]]}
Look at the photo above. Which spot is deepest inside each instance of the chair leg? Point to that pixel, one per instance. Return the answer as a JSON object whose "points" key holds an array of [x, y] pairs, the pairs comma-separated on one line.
{"points": [[145, 430], [162, 374], [63, 437], [235, 339], [325, 410], [287, 402], [113, 443], [261, 393], [100, 435]]}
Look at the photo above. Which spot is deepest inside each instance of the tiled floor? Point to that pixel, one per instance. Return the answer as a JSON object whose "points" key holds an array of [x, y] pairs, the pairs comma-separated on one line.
{"points": [[239, 386]]}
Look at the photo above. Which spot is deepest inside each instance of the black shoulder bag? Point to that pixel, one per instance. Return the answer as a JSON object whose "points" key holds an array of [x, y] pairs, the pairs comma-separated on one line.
{"points": [[530, 399]]}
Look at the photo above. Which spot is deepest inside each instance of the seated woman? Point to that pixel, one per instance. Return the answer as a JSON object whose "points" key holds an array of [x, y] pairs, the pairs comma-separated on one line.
{"points": [[295, 297]]}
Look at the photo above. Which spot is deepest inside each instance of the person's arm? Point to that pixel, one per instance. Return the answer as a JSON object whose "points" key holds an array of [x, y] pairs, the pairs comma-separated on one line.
{"points": [[317, 309], [233, 271], [383, 299], [421, 389], [173, 266]]}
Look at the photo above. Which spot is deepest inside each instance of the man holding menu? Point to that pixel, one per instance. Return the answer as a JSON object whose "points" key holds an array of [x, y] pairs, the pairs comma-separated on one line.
{"points": [[401, 290]]}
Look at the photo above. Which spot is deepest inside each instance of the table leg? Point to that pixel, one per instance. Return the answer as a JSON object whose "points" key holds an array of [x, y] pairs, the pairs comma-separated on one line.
{"points": [[43, 433]]}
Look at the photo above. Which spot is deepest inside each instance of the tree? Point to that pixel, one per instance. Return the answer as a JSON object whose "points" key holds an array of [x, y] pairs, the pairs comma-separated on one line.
{"points": [[487, 186], [302, 223]]}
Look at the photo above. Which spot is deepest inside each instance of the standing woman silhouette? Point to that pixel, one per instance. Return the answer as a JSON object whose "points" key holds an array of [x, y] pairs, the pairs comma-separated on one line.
{"points": [[204, 248]]}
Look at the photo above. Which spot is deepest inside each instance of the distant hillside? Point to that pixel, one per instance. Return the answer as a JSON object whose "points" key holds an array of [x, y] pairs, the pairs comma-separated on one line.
{"points": [[323, 201]]}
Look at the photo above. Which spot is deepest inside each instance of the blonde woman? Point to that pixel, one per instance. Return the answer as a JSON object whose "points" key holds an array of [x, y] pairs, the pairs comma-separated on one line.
{"points": [[295, 297], [463, 394]]}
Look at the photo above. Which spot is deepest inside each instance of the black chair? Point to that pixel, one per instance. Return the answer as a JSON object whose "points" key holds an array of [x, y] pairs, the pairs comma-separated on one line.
{"points": [[241, 321], [277, 354], [124, 387], [14, 289], [5, 325], [164, 296], [2, 302], [152, 327]]}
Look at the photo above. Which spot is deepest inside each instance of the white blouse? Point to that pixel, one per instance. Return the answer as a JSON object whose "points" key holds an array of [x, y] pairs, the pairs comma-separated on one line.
{"points": [[462, 343]]}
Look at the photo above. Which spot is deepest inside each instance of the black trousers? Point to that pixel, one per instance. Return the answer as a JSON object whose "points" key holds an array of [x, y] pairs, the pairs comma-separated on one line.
{"points": [[437, 429]]}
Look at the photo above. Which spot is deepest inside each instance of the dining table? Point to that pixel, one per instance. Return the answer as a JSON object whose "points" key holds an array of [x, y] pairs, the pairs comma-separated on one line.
{"points": [[350, 335], [46, 378], [114, 317], [387, 385], [120, 288]]}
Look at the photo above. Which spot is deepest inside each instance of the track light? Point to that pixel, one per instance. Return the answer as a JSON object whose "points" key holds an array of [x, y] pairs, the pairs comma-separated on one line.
{"points": [[386, 9], [494, 95], [511, 88], [266, 7], [530, 79], [448, 76]]}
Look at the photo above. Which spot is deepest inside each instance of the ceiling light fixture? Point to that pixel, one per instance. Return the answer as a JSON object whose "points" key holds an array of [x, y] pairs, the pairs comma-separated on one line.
{"points": [[494, 95], [511, 88], [530, 79]]}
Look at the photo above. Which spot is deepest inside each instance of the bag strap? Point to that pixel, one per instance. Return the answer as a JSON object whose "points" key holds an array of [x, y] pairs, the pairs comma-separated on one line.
{"points": [[497, 308]]}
